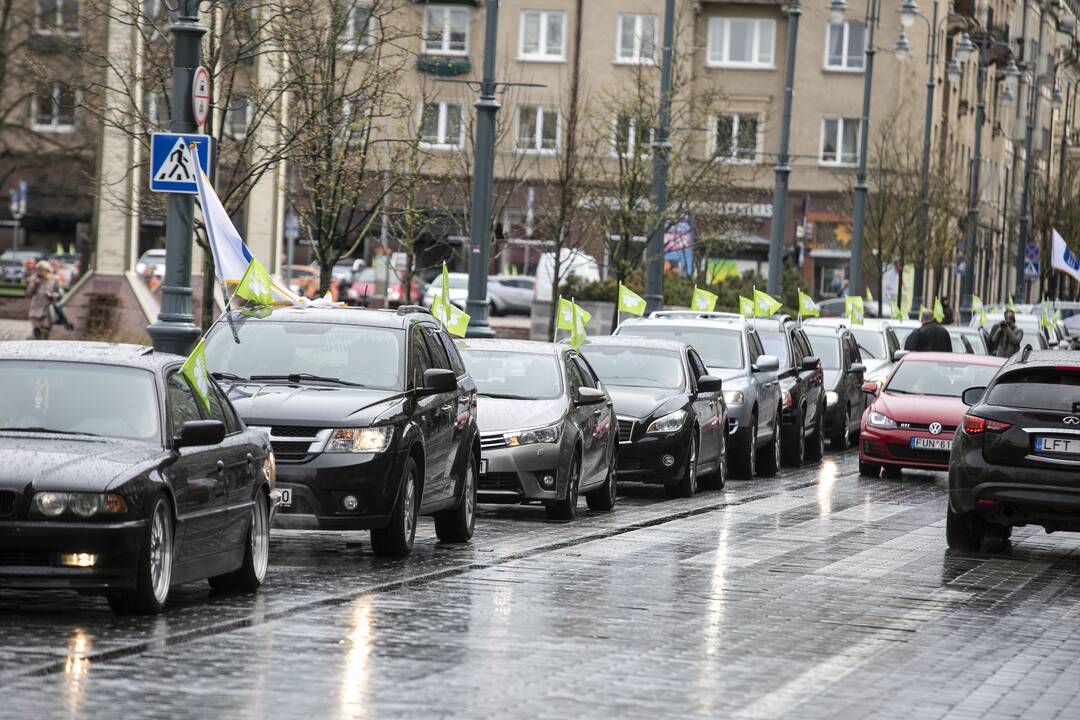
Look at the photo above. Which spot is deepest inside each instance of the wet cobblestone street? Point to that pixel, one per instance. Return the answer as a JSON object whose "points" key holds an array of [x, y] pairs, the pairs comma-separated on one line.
{"points": [[815, 594]]}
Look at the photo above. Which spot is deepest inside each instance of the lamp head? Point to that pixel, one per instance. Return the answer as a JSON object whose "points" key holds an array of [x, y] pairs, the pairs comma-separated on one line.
{"points": [[837, 8], [908, 11], [903, 47], [953, 71], [964, 47]]}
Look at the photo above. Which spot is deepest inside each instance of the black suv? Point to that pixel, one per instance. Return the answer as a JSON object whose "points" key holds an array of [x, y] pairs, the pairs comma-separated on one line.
{"points": [[1016, 456], [801, 387], [843, 370], [371, 415]]}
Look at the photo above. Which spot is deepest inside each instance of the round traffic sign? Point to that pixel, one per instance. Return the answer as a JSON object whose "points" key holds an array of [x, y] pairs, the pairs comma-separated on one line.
{"points": [[200, 95]]}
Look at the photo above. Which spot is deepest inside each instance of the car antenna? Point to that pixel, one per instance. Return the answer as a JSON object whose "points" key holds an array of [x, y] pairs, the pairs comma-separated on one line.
{"points": [[1025, 353], [146, 351]]}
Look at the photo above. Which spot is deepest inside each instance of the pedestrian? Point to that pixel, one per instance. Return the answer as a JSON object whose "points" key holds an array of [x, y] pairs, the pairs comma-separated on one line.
{"points": [[948, 314], [43, 290], [929, 337], [1005, 337]]}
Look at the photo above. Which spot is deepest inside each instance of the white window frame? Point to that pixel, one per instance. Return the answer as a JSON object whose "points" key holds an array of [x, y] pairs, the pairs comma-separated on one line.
{"points": [[450, 11], [229, 130], [636, 58], [631, 139], [542, 55], [845, 66], [58, 9], [536, 149], [839, 141], [442, 143], [755, 45], [737, 120], [350, 44], [53, 125]]}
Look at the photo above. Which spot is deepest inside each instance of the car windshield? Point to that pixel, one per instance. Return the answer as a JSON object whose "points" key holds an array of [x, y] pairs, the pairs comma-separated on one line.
{"points": [[718, 348], [517, 375], [79, 398], [1056, 389], [938, 378], [871, 343], [902, 332], [827, 348], [355, 354], [776, 344], [637, 367]]}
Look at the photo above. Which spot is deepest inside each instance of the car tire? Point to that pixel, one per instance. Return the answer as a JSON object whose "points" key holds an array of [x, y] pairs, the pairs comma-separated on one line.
{"points": [[602, 499], [964, 531], [815, 450], [744, 462], [718, 479], [396, 539], [795, 451], [769, 464], [839, 438], [456, 524], [869, 469], [687, 486], [249, 576], [566, 508], [153, 574]]}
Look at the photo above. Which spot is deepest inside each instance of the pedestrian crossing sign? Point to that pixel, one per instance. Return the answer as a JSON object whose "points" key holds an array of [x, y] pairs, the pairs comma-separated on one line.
{"points": [[172, 167]]}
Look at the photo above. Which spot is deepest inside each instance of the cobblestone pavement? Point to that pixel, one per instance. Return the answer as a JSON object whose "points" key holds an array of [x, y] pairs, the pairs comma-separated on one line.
{"points": [[816, 594], [14, 329]]}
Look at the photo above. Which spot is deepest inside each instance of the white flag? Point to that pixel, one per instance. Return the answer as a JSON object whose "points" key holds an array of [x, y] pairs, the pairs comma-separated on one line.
{"points": [[1063, 259]]}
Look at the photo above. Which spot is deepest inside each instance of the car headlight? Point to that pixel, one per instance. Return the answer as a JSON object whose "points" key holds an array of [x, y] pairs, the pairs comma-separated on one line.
{"points": [[672, 422], [85, 505], [360, 440], [733, 397], [831, 398], [548, 434], [878, 420]]}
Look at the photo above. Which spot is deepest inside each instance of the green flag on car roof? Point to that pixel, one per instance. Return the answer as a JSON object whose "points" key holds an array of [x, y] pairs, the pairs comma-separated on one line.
{"points": [[194, 369], [630, 301], [703, 300], [807, 306], [255, 285]]}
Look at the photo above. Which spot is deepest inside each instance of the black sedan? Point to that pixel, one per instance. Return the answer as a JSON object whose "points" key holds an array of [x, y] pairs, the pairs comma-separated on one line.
{"points": [[115, 478], [671, 413], [843, 377]]}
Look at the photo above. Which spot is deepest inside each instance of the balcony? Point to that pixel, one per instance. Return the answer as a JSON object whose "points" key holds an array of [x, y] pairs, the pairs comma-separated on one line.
{"points": [[443, 66]]}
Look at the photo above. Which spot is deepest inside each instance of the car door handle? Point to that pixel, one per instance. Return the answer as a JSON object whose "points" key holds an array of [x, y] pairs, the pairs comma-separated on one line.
{"points": [[448, 407]]}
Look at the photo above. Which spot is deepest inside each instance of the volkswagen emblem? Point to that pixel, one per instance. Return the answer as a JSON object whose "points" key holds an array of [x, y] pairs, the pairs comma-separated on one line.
{"points": [[935, 428], [1072, 420]]}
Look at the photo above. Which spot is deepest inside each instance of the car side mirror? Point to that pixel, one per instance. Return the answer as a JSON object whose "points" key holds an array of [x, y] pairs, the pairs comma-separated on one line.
{"points": [[709, 383], [857, 369], [195, 433], [590, 396], [767, 363], [899, 354], [870, 387], [438, 381], [973, 395], [811, 362]]}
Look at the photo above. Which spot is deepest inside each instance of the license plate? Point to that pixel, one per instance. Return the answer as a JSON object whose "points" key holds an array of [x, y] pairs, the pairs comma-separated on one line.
{"points": [[483, 467], [921, 443], [286, 497], [1057, 445]]}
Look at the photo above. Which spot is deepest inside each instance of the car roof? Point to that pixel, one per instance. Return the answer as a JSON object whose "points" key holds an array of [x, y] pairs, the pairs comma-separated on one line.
{"points": [[1046, 358], [867, 324], [774, 322], [825, 330], [639, 342], [125, 354], [713, 323], [535, 347], [943, 357], [398, 319]]}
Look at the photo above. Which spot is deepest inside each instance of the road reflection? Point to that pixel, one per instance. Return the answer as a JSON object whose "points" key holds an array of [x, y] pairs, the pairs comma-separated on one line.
{"points": [[826, 486], [355, 674], [76, 668]]}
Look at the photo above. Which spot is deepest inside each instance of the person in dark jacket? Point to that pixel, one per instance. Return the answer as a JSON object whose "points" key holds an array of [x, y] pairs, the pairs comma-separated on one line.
{"points": [[929, 337], [1005, 337]]}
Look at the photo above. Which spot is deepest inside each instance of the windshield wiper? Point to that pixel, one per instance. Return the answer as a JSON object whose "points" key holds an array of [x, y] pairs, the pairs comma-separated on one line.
{"points": [[228, 376], [299, 377], [501, 396], [47, 430]]}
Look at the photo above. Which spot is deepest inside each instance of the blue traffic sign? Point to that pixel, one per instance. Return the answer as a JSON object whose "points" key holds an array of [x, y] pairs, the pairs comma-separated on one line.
{"points": [[1031, 270], [171, 163]]}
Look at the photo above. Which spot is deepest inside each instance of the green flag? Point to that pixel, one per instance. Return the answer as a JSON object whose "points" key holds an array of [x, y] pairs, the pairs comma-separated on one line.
{"points": [[976, 304], [630, 301], [194, 369], [854, 309], [869, 297], [577, 331], [255, 285], [1011, 305], [703, 300], [444, 291], [939, 312], [897, 312], [746, 307], [59, 248], [455, 320], [765, 304], [565, 320], [807, 306]]}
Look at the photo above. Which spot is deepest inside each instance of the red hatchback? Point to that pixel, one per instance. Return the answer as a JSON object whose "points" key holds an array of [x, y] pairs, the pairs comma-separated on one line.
{"points": [[912, 419]]}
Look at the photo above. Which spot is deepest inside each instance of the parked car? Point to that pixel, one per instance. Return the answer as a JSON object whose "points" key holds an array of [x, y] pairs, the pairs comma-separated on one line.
{"points": [[547, 429], [878, 344], [459, 289], [365, 289], [151, 263], [511, 294], [371, 414], [1016, 456], [572, 262], [911, 420], [15, 265], [843, 373], [802, 388], [672, 420], [116, 479], [732, 351], [837, 308]]}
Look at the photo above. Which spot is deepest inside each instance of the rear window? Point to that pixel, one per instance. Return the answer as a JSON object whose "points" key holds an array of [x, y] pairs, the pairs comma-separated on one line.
{"points": [[718, 348], [1039, 389], [827, 348], [776, 344], [871, 343]]}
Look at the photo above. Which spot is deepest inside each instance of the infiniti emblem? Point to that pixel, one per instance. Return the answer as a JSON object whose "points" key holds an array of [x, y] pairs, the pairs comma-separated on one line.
{"points": [[1071, 420], [935, 428]]}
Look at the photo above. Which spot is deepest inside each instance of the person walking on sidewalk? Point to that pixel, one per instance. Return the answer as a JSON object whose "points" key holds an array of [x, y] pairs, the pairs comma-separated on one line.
{"points": [[43, 290]]}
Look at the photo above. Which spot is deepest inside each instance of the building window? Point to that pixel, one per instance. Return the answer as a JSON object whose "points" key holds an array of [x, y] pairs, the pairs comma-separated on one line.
{"points": [[846, 49], [737, 137], [630, 139], [741, 42], [54, 108], [542, 36], [238, 118], [537, 130], [839, 141], [357, 33], [446, 31], [57, 16], [637, 39], [441, 125]]}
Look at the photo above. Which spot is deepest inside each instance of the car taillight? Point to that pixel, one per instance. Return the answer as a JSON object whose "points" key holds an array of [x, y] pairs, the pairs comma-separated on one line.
{"points": [[973, 425]]}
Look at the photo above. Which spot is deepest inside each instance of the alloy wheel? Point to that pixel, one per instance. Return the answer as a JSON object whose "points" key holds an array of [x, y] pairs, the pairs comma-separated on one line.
{"points": [[470, 496], [776, 442], [260, 538], [409, 506], [692, 460], [160, 552]]}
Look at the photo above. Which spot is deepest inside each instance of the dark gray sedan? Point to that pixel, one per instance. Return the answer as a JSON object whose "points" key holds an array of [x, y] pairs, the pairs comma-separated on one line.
{"points": [[547, 429]]}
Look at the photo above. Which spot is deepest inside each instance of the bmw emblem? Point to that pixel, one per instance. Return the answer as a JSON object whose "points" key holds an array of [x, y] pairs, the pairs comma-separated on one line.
{"points": [[935, 428]]}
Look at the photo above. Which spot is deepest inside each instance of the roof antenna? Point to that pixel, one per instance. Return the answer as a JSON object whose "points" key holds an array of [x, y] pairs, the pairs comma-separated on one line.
{"points": [[1025, 353]]}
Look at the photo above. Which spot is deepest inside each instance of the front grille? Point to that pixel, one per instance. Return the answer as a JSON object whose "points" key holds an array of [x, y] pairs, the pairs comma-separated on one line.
{"points": [[24, 557], [909, 453], [498, 482], [294, 431], [946, 430], [492, 441], [626, 430], [7, 502], [290, 448]]}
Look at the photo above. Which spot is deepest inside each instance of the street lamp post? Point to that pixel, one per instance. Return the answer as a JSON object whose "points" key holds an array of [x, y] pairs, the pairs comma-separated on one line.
{"points": [[783, 168], [861, 186], [654, 249], [1029, 132], [175, 330], [1055, 278]]}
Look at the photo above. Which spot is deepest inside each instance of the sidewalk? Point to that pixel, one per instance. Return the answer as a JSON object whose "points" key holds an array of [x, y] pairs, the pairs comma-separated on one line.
{"points": [[14, 329]]}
